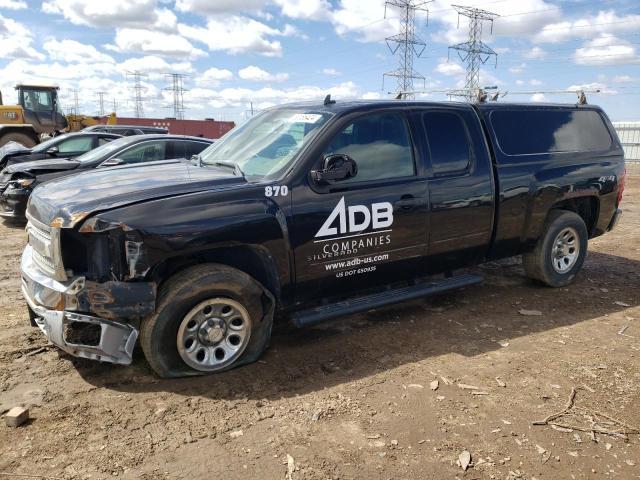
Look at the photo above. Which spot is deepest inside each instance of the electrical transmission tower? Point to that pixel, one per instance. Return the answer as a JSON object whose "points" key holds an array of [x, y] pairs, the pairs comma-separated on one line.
{"points": [[138, 90], [474, 52], [101, 102], [406, 44], [76, 102], [177, 88]]}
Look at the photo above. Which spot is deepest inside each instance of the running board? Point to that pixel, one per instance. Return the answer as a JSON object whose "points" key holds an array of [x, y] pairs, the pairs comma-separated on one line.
{"points": [[315, 315]]}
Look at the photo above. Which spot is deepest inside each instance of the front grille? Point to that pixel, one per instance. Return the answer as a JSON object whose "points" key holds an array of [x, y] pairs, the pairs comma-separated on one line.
{"points": [[45, 244]]}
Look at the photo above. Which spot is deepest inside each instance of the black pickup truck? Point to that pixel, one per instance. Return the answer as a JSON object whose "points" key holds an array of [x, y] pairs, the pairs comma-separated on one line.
{"points": [[310, 212]]}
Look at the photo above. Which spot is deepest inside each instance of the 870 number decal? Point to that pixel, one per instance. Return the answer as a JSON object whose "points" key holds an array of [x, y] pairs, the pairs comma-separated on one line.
{"points": [[276, 190]]}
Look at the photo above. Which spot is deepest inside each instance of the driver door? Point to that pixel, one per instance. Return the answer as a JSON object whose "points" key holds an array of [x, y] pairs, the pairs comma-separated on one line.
{"points": [[367, 230]]}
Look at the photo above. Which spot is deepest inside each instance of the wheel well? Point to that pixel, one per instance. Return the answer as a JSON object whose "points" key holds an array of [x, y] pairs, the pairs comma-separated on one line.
{"points": [[253, 261], [586, 207]]}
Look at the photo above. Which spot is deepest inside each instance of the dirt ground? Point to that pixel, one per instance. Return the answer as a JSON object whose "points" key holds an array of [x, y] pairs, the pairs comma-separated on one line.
{"points": [[354, 399]]}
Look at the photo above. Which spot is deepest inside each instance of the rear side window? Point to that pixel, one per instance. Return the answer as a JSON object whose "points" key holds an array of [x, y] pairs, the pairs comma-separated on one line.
{"points": [[530, 132], [448, 142]]}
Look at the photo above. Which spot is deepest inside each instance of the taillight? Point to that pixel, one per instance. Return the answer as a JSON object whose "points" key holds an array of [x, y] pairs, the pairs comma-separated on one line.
{"points": [[621, 185]]}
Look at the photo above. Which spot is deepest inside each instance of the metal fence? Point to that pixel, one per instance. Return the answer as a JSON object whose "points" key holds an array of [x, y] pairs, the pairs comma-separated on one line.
{"points": [[629, 134]]}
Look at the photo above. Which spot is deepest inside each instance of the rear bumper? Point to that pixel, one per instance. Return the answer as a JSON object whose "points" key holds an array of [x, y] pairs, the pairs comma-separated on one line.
{"points": [[614, 220], [106, 340]]}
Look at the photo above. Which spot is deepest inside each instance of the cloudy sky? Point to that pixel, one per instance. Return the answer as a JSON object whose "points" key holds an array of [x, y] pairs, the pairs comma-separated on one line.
{"points": [[271, 51]]}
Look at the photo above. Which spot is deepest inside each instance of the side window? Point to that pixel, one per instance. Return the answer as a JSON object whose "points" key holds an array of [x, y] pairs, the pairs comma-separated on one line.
{"points": [[145, 152], [194, 148], [78, 144], [379, 144], [103, 140], [448, 142], [38, 101]]}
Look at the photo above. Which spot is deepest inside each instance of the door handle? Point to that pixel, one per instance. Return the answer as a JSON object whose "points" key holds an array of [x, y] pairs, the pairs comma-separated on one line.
{"points": [[406, 202]]}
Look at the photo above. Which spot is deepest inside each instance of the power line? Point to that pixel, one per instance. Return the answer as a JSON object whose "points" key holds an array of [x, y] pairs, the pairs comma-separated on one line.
{"points": [[474, 51], [76, 102], [407, 43]]}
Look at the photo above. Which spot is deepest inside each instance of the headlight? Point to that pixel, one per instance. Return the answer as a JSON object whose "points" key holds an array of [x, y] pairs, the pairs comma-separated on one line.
{"points": [[21, 183]]}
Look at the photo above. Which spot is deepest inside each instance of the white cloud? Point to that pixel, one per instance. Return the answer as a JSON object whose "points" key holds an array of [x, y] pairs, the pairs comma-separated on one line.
{"points": [[154, 67], [605, 50], [214, 76], [114, 13], [366, 19], [236, 34], [154, 43], [607, 22], [518, 68], [16, 40], [538, 97], [305, 9], [215, 7], [535, 82], [71, 51], [13, 4], [256, 74], [622, 79], [332, 72], [520, 82], [536, 53], [371, 96], [450, 68]]}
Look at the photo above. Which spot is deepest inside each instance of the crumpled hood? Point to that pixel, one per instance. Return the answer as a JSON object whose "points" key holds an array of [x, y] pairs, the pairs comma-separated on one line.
{"points": [[37, 167], [10, 149], [66, 201]]}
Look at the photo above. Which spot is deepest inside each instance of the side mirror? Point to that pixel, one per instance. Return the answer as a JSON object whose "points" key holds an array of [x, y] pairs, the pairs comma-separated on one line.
{"points": [[53, 151], [336, 167], [112, 162]]}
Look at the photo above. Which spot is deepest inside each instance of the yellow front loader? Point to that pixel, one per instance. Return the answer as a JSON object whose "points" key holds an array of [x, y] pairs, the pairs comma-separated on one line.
{"points": [[38, 113]]}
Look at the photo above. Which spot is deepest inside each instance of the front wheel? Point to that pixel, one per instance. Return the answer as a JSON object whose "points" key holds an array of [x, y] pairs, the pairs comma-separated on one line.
{"points": [[560, 251], [209, 318]]}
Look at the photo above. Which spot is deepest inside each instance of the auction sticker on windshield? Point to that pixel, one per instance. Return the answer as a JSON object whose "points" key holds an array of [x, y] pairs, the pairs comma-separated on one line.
{"points": [[305, 118]]}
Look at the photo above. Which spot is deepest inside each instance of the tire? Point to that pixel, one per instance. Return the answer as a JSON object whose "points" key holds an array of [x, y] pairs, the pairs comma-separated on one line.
{"points": [[181, 338], [21, 138], [560, 252]]}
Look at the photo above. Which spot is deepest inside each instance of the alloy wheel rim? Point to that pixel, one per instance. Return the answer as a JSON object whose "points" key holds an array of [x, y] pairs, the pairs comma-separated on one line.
{"points": [[566, 250], [213, 334]]}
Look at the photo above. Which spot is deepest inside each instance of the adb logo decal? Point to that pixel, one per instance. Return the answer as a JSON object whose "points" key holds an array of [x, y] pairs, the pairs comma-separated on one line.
{"points": [[356, 218]]}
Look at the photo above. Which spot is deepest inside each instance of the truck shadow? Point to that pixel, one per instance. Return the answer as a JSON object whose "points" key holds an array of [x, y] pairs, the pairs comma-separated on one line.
{"points": [[467, 322]]}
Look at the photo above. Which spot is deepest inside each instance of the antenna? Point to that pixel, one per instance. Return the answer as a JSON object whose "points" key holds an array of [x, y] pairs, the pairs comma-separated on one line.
{"points": [[138, 89], [177, 88], [406, 44], [473, 52]]}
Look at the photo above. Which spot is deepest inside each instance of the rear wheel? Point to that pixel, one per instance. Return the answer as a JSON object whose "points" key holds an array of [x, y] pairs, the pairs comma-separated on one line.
{"points": [[560, 251], [209, 318], [21, 138]]}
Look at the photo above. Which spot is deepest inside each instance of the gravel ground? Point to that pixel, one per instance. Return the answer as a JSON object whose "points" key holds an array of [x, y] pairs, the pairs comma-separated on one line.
{"points": [[355, 398]]}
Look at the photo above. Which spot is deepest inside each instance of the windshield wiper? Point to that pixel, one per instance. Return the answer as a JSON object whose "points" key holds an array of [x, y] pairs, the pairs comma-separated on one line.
{"points": [[236, 168]]}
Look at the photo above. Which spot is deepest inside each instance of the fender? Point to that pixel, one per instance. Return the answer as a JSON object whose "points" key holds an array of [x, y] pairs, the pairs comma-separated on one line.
{"points": [[216, 225]]}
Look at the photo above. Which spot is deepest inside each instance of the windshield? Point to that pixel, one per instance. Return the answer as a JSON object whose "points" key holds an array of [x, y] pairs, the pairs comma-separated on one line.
{"points": [[44, 146], [268, 142], [103, 151]]}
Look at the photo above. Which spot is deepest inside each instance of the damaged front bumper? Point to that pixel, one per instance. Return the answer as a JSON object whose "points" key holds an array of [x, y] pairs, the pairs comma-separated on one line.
{"points": [[53, 308]]}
